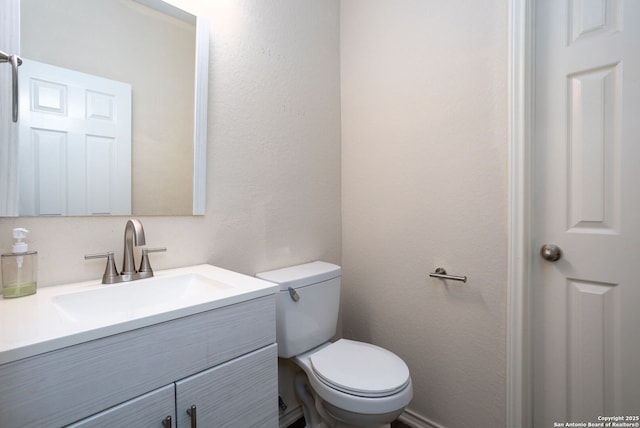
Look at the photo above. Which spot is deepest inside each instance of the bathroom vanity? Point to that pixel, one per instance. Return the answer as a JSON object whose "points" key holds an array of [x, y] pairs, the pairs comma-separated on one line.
{"points": [[209, 360]]}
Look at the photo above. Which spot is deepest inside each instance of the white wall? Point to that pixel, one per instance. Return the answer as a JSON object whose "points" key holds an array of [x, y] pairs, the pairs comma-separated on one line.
{"points": [[424, 146]]}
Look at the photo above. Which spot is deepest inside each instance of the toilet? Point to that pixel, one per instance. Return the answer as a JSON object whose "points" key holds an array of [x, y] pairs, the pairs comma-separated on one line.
{"points": [[343, 383]]}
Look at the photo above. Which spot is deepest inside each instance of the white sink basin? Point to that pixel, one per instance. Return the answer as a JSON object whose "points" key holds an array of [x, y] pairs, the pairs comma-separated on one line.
{"points": [[140, 298], [69, 314]]}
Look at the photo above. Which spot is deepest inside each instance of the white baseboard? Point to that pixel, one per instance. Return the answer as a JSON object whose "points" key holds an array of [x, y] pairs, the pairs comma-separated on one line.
{"points": [[415, 420], [290, 416], [408, 417]]}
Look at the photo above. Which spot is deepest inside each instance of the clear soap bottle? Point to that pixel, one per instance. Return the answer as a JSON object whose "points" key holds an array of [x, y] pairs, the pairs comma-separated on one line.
{"points": [[19, 268]]}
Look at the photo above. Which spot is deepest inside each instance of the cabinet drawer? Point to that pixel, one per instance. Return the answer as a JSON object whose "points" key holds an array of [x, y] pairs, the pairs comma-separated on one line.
{"points": [[64, 386]]}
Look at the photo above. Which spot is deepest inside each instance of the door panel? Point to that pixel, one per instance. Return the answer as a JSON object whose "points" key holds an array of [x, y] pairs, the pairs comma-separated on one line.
{"points": [[75, 143], [586, 200], [593, 150]]}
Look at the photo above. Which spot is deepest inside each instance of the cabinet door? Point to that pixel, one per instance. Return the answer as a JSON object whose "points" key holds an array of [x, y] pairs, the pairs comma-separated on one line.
{"points": [[147, 411], [240, 393]]}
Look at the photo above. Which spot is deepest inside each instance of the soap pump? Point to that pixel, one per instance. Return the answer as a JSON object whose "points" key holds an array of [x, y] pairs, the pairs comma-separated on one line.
{"points": [[19, 268]]}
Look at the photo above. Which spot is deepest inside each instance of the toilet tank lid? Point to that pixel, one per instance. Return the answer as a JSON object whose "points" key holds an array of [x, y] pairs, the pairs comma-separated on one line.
{"points": [[301, 275]]}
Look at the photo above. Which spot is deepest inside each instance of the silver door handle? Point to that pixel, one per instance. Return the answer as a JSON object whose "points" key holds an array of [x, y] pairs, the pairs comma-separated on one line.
{"points": [[551, 252], [15, 61]]}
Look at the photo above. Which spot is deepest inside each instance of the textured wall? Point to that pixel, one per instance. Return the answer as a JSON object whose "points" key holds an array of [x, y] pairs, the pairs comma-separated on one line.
{"points": [[424, 148]]}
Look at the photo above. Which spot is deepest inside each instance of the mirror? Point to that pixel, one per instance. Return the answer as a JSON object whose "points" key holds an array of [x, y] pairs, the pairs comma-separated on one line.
{"points": [[156, 50]]}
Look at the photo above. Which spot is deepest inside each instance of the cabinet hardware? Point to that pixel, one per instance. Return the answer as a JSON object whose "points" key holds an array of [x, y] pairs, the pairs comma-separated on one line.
{"points": [[194, 420], [167, 422]]}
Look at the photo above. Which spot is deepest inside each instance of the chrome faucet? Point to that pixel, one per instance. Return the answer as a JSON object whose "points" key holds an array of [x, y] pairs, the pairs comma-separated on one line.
{"points": [[133, 235], [133, 231]]}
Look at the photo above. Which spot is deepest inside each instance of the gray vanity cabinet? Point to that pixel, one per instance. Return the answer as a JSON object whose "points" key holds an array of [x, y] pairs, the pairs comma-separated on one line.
{"points": [[237, 393], [223, 361]]}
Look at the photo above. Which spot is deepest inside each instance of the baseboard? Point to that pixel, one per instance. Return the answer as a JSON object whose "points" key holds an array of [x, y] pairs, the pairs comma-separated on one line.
{"points": [[290, 416], [408, 417], [415, 420]]}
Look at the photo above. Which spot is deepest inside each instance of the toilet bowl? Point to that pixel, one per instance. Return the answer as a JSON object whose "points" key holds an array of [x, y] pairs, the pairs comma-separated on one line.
{"points": [[357, 382], [343, 383]]}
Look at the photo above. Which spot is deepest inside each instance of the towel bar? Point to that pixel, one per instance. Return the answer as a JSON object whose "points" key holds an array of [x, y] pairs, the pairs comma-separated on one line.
{"points": [[442, 274]]}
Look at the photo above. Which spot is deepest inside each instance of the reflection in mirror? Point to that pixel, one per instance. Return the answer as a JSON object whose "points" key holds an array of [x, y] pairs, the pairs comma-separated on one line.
{"points": [[111, 56]]}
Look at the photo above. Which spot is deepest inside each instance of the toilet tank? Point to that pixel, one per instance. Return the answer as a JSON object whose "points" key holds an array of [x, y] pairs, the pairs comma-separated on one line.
{"points": [[311, 318]]}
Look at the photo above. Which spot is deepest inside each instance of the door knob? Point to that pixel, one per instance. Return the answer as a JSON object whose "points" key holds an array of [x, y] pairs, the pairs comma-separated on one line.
{"points": [[550, 252]]}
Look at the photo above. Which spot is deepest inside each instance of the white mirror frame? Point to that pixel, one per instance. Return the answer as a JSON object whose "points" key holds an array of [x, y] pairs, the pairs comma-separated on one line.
{"points": [[9, 34], [200, 117]]}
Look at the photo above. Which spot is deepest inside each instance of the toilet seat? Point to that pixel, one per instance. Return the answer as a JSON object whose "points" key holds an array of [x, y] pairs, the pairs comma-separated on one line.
{"points": [[360, 369], [354, 401]]}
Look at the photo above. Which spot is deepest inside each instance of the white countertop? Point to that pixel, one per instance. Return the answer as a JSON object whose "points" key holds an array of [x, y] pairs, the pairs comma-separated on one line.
{"points": [[36, 324]]}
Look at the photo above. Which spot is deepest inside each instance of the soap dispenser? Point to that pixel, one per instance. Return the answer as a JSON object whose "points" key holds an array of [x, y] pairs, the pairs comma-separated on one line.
{"points": [[19, 268]]}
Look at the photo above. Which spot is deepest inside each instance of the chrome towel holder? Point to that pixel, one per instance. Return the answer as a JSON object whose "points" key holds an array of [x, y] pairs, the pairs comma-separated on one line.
{"points": [[442, 274]]}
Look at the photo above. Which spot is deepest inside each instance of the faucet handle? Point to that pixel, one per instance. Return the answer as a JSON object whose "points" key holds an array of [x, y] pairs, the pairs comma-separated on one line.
{"points": [[110, 275], [145, 270]]}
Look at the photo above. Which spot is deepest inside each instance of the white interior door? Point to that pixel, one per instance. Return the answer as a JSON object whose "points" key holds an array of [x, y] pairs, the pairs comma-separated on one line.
{"points": [[586, 310], [75, 143]]}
